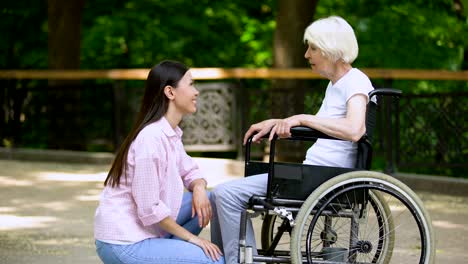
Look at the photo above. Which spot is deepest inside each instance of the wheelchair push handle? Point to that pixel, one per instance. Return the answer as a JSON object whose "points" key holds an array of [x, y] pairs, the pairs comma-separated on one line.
{"points": [[385, 92]]}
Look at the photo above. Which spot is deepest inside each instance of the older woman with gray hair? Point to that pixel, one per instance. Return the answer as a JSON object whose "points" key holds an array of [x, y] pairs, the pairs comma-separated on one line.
{"points": [[331, 48]]}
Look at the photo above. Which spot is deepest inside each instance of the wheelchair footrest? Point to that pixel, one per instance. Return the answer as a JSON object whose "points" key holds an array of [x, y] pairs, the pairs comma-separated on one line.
{"points": [[283, 213], [280, 211]]}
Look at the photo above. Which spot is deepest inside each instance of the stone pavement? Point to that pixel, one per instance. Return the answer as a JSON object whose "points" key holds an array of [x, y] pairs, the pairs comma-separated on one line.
{"points": [[47, 209]]}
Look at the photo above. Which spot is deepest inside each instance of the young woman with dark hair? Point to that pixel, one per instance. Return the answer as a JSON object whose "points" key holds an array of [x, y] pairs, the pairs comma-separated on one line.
{"points": [[144, 215]]}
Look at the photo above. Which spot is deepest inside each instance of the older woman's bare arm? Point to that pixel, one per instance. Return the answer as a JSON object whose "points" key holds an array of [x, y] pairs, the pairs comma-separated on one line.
{"points": [[351, 128]]}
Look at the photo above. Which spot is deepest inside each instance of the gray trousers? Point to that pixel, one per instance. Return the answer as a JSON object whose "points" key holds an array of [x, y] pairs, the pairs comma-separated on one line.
{"points": [[231, 198]]}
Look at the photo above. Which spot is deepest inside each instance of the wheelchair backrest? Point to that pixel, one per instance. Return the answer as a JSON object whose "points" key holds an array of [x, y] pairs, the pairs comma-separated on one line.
{"points": [[364, 145], [364, 153]]}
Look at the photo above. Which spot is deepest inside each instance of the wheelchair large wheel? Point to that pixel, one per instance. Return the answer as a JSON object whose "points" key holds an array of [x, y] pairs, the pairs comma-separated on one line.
{"points": [[276, 232], [335, 231], [382, 214], [364, 217]]}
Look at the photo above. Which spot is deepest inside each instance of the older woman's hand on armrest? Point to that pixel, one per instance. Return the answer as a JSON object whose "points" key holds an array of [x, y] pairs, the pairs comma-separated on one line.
{"points": [[260, 129], [282, 128]]}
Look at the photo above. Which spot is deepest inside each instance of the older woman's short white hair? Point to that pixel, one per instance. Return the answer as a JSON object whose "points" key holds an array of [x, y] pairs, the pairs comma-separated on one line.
{"points": [[334, 37]]}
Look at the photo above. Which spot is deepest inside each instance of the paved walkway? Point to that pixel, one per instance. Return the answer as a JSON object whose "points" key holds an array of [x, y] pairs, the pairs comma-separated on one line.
{"points": [[46, 212]]}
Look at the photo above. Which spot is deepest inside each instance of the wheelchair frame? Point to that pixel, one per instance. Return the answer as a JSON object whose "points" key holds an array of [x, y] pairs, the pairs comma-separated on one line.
{"points": [[302, 202]]}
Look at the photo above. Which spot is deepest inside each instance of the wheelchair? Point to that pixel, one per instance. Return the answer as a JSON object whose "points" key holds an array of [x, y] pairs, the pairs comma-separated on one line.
{"points": [[319, 214]]}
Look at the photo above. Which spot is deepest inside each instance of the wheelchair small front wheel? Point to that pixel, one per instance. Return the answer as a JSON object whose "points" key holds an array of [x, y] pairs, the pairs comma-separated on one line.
{"points": [[275, 233], [368, 217]]}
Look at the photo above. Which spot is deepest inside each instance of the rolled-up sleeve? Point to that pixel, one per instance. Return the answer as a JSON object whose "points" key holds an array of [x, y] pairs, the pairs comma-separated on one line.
{"points": [[189, 170], [146, 190]]}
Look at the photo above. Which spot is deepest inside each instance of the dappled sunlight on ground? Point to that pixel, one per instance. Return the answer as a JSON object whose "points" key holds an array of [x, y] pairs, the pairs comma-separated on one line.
{"points": [[445, 203], [10, 222], [25, 169], [49, 206], [67, 241], [56, 205], [448, 225], [7, 209], [5, 181], [74, 177]]}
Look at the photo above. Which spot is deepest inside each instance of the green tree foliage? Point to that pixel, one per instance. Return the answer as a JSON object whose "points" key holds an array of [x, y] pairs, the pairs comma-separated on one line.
{"points": [[205, 34], [423, 34], [24, 34], [419, 34]]}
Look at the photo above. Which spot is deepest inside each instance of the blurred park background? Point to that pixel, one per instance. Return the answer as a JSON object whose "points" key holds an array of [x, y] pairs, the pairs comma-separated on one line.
{"points": [[72, 72], [72, 75]]}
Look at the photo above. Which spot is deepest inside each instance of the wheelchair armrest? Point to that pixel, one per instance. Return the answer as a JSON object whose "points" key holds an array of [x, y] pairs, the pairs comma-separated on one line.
{"points": [[303, 133], [307, 133]]}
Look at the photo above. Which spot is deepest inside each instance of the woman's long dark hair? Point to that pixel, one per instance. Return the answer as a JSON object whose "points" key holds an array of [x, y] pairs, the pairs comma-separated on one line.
{"points": [[154, 105]]}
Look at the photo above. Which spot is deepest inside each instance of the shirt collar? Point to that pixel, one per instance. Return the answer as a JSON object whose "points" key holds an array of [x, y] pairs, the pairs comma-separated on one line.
{"points": [[168, 130]]}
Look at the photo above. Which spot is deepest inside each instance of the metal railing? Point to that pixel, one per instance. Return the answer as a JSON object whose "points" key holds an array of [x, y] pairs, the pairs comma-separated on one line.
{"points": [[435, 138]]}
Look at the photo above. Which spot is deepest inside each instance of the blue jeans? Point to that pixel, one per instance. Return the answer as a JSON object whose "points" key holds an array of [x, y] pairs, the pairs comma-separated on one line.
{"points": [[169, 250]]}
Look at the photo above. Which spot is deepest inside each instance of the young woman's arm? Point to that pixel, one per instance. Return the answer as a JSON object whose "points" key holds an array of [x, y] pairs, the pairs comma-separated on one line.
{"points": [[194, 182], [200, 203], [171, 226]]}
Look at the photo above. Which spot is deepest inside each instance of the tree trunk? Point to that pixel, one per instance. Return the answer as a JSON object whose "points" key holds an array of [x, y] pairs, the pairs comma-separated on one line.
{"points": [[3, 106], [462, 11], [64, 43], [288, 95]]}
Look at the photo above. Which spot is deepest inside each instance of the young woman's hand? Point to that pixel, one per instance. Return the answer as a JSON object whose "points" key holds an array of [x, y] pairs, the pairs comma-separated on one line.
{"points": [[201, 205], [210, 249], [171, 226]]}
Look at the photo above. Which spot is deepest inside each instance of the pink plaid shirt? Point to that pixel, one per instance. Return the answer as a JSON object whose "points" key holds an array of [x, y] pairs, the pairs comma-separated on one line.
{"points": [[158, 170]]}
